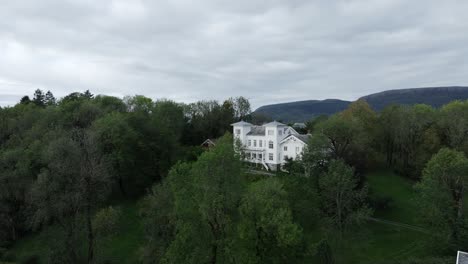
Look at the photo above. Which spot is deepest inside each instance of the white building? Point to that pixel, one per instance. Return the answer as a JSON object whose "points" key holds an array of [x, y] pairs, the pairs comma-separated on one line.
{"points": [[270, 144]]}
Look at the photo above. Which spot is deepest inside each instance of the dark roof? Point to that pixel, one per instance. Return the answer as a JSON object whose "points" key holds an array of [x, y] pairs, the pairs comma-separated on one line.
{"points": [[256, 131], [275, 123], [303, 138], [209, 141], [241, 123], [462, 258], [299, 125]]}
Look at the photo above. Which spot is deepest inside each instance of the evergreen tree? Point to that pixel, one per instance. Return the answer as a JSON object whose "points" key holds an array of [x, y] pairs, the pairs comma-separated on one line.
{"points": [[39, 98], [25, 100], [50, 99]]}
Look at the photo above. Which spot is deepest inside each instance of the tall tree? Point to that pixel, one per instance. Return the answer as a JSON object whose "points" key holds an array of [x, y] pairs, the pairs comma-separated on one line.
{"points": [[49, 98], [441, 195], [266, 228], [342, 202], [70, 188], [218, 174], [39, 98], [25, 100], [453, 125]]}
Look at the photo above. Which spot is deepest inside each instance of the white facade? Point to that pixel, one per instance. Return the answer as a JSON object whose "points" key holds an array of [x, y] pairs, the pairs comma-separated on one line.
{"points": [[270, 144]]}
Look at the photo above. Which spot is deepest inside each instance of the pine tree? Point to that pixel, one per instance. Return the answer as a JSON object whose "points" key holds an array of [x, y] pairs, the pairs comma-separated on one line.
{"points": [[87, 94], [39, 98], [50, 99], [25, 100]]}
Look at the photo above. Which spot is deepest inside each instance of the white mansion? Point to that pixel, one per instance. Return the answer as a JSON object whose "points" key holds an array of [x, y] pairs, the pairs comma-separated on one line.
{"points": [[270, 144]]}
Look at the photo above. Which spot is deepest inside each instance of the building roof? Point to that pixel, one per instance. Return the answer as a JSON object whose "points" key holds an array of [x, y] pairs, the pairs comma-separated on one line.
{"points": [[462, 257], [299, 125], [303, 138], [209, 141], [274, 123], [241, 123], [256, 131]]}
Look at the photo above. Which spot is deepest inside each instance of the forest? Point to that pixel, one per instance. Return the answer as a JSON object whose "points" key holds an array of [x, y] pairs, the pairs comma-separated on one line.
{"points": [[100, 179]]}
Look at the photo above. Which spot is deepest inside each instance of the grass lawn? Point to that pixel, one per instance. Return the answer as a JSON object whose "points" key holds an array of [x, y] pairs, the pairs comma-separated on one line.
{"points": [[400, 190], [387, 242]]}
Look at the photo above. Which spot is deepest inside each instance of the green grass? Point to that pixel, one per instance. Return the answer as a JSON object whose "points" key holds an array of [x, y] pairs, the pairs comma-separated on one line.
{"points": [[400, 190], [386, 242]]}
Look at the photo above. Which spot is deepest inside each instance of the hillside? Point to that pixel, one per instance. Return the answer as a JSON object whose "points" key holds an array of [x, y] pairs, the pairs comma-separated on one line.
{"points": [[302, 110], [435, 96], [305, 110]]}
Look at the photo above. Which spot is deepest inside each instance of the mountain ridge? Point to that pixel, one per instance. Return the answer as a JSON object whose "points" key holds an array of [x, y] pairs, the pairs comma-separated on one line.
{"points": [[304, 110]]}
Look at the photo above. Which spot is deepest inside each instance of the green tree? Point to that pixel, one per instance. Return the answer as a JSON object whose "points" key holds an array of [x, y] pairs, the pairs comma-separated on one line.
{"points": [[25, 100], [49, 99], [69, 190], [409, 137], [324, 253], [267, 230], [441, 196], [159, 219], [39, 98], [453, 125], [218, 174], [342, 202], [117, 140]]}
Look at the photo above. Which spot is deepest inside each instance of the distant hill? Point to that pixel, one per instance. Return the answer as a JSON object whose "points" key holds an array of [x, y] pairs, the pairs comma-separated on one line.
{"points": [[435, 96], [302, 111]]}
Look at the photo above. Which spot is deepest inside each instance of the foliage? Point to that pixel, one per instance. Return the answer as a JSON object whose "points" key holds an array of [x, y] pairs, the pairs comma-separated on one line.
{"points": [[442, 193], [342, 202], [266, 227], [68, 165], [106, 221]]}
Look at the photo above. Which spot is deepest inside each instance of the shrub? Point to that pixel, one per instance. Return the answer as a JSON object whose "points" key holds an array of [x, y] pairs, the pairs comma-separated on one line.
{"points": [[31, 259], [380, 202], [8, 257]]}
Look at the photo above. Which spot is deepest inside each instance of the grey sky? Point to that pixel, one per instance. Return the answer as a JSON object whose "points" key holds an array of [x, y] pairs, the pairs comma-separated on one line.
{"points": [[268, 51]]}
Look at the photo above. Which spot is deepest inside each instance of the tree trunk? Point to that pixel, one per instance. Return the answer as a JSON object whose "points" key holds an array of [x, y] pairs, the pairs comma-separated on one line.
{"points": [[70, 245], [214, 252], [121, 186], [90, 234]]}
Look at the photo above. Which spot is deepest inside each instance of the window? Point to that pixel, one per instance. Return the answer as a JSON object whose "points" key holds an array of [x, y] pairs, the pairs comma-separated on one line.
{"points": [[271, 132], [254, 156], [297, 149], [260, 155], [270, 144], [280, 132], [247, 155], [285, 148], [270, 156], [255, 143], [249, 142], [260, 143], [237, 131]]}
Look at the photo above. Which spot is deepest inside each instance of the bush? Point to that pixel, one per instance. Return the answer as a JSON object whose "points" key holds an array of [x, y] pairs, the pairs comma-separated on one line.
{"points": [[106, 221], [8, 257], [31, 259], [380, 202]]}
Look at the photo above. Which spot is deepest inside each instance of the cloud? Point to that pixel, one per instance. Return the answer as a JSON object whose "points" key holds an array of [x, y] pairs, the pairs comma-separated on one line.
{"points": [[269, 51]]}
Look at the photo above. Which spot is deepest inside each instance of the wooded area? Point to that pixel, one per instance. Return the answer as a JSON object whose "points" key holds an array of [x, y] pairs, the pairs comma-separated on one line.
{"points": [[66, 165]]}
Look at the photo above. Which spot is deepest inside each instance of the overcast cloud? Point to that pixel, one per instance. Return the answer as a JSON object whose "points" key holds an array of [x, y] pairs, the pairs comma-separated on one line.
{"points": [[268, 51]]}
